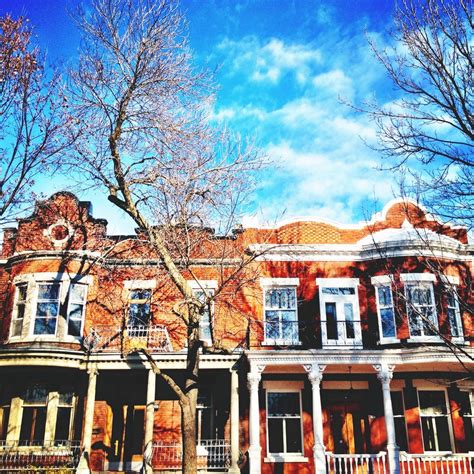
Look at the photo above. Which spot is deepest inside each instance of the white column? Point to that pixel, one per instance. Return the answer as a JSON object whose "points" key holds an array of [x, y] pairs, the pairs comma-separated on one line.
{"points": [[14, 420], [315, 375], [253, 381], [234, 422], [51, 417], [385, 374], [149, 421], [88, 421]]}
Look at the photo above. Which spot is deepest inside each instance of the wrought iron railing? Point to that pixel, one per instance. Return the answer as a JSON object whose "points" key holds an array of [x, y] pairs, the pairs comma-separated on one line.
{"points": [[34, 456], [437, 463], [106, 338], [211, 454], [357, 463]]}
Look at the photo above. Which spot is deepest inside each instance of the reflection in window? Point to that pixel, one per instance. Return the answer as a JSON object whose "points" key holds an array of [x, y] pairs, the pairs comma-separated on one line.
{"points": [[47, 308], [205, 332], [139, 308], [434, 420], [454, 314], [421, 310], [386, 312], [281, 318], [77, 297], [19, 316]]}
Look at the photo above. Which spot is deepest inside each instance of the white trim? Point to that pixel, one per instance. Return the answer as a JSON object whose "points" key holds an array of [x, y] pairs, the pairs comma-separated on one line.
{"points": [[449, 279], [417, 277], [381, 280], [274, 282], [53, 276], [202, 284], [283, 385], [338, 282], [286, 458], [139, 284]]}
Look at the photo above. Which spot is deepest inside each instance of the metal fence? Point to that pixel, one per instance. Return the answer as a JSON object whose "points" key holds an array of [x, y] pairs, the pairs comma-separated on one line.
{"points": [[39, 457], [211, 454]]}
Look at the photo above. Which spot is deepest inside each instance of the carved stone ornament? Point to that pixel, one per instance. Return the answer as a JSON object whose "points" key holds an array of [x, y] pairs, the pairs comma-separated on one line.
{"points": [[254, 376], [384, 372], [315, 372], [59, 233]]}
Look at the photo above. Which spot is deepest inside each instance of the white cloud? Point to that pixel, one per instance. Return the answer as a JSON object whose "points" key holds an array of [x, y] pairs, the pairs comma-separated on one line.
{"points": [[269, 61]]}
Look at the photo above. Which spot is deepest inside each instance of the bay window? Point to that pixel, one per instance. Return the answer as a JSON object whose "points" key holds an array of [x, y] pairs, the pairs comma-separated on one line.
{"points": [[49, 305]]}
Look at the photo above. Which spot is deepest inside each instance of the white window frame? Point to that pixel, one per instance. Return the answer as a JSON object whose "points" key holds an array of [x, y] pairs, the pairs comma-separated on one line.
{"points": [[425, 280], [277, 386], [33, 280], [340, 300], [15, 310], [452, 289], [208, 287], [384, 281], [421, 387]]}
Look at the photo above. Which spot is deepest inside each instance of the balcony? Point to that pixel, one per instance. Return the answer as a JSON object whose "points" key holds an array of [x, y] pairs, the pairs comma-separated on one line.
{"points": [[212, 454], [127, 339], [357, 463], [38, 456], [437, 463]]}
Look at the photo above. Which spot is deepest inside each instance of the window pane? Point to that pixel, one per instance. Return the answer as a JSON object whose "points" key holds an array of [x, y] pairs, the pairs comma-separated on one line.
{"points": [[397, 403], [401, 433], [442, 431], [385, 295], [75, 311], [388, 323], [35, 394], [349, 317], [280, 298], [139, 314], [453, 322], [140, 294], [77, 292], [293, 435], [48, 291], [272, 330], [45, 326], [33, 424], [17, 326], [432, 402], [74, 327], [47, 310], [275, 435], [63, 421], [284, 404], [331, 321]]}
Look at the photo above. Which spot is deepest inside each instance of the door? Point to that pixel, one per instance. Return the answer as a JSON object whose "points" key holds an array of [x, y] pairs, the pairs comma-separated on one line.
{"points": [[349, 429], [128, 428]]}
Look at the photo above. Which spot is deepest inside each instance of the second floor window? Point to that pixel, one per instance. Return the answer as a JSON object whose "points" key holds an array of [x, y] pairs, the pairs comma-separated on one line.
{"points": [[454, 313], [421, 310], [47, 308], [281, 317], [139, 308], [19, 314], [340, 321], [386, 313], [205, 323]]}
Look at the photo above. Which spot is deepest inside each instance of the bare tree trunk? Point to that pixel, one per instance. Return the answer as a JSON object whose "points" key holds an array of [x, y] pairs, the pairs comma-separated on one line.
{"points": [[189, 434]]}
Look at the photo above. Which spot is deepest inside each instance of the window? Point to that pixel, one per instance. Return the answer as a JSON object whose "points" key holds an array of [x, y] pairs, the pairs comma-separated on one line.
{"points": [[284, 422], [76, 306], [19, 313], [139, 308], [467, 413], [33, 420], [399, 420], [385, 309], [205, 329], [434, 420], [281, 316], [339, 303], [49, 304], [47, 308], [454, 314], [421, 311], [64, 418]]}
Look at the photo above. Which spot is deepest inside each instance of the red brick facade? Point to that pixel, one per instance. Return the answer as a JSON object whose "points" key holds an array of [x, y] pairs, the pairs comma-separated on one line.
{"points": [[392, 296]]}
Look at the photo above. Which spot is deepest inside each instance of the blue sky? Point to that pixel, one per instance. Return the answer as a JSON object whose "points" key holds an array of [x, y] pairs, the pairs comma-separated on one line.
{"points": [[284, 69]]}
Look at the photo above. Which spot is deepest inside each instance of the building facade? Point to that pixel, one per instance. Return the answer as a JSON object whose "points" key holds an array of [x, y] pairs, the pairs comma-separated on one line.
{"points": [[346, 348]]}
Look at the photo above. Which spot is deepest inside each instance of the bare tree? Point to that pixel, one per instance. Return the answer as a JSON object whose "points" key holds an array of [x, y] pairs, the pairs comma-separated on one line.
{"points": [[140, 108], [431, 65], [33, 116]]}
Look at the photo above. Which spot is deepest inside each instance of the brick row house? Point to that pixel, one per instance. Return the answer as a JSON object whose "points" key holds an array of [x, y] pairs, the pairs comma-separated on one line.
{"points": [[349, 350]]}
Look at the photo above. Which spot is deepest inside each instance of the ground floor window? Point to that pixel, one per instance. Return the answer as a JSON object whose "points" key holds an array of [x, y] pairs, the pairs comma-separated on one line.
{"points": [[284, 422], [467, 413], [434, 420], [399, 420]]}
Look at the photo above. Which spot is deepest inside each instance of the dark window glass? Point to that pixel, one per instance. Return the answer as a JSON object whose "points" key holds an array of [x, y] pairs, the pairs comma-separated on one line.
{"points": [[275, 435], [33, 424], [331, 321], [63, 423], [349, 316]]}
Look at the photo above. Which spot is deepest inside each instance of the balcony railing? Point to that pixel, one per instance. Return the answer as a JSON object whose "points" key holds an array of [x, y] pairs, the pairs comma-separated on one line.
{"points": [[437, 463], [211, 454], [34, 456], [357, 463], [125, 339]]}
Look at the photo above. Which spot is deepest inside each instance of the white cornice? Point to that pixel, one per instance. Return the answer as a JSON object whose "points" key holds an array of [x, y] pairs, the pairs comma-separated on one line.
{"points": [[359, 253]]}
